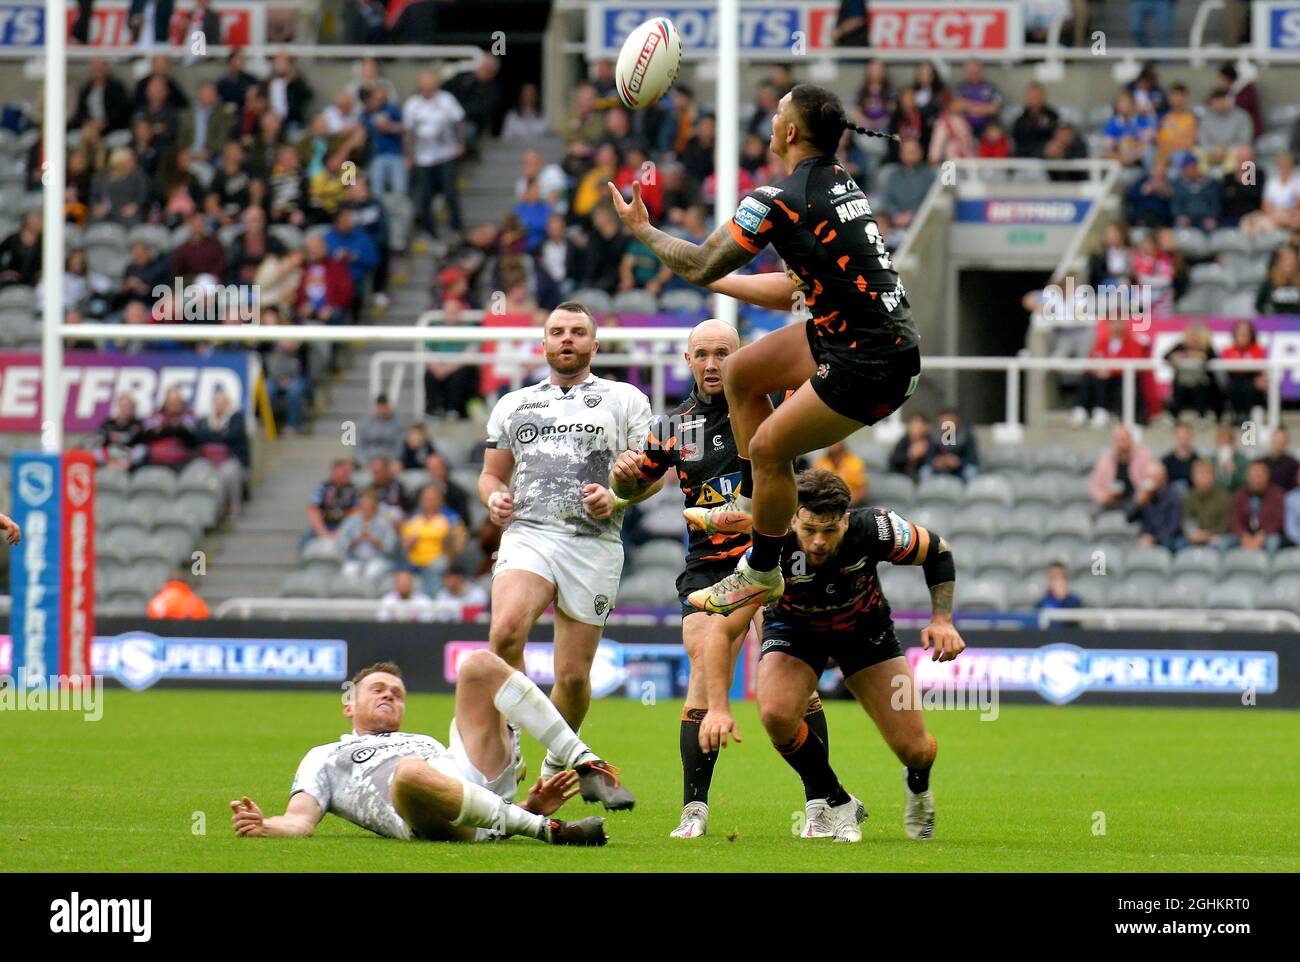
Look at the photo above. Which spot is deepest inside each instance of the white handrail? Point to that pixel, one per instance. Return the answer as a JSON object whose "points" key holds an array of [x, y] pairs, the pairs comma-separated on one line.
{"points": [[302, 51], [1194, 39], [1204, 619], [327, 333]]}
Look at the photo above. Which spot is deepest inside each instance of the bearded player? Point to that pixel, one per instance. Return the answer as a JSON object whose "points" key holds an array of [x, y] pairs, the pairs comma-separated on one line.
{"points": [[402, 785], [852, 364], [695, 442], [832, 608], [545, 473]]}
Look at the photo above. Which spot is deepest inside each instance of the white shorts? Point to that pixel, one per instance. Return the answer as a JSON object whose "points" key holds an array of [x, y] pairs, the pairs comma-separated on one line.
{"points": [[584, 570], [503, 784]]}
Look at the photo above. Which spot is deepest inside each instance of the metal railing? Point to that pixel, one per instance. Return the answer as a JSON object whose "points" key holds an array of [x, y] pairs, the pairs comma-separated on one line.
{"points": [[1171, 619]]}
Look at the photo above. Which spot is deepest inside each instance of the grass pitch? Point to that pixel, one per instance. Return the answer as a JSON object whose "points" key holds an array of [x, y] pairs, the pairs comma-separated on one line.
{"points": [[147, 789]]}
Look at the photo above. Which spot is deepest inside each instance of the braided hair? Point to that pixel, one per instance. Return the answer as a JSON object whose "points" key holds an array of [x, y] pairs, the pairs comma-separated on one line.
{"points": [[824, 118]]}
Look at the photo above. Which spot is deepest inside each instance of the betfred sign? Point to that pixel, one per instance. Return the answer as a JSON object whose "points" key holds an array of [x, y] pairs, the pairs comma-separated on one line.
{"points": [[784, 28]]}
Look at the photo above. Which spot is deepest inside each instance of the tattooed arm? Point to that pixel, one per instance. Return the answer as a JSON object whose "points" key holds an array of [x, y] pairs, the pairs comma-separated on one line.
{"points": [[940, 578], [700, 264]]}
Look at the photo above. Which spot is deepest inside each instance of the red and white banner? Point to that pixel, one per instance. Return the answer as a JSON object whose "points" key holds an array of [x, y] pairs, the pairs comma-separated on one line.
{"points": [[77, 601], [243, 22]]}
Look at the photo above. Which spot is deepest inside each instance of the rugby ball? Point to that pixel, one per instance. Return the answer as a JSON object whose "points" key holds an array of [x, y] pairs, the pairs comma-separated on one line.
{"points": [[647, 64]]}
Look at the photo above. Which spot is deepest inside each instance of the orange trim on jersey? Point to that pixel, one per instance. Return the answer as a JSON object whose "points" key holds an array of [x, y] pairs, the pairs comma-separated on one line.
{"points": [[922, 544], [794, 218], [829, 237], [861, 282], [842, 261], [738, 235], [818, 229]]}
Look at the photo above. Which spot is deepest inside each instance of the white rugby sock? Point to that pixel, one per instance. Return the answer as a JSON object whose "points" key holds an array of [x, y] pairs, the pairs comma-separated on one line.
{"points": [[525, 705], [483, 809]]}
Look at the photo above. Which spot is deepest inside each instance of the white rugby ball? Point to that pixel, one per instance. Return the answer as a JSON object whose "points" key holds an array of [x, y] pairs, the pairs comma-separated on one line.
{"points": [[647, 64]]}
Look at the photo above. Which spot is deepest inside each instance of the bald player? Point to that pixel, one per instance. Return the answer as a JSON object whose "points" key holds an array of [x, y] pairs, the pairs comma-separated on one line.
{"points": [[694, 440]]}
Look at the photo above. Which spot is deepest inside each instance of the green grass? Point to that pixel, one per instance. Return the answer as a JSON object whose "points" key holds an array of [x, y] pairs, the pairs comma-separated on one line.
{"points": [[1182, 790]]}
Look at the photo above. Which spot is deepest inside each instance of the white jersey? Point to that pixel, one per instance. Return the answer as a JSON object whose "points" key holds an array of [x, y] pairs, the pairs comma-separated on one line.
{"points": [[352, 777], [563, 439]]}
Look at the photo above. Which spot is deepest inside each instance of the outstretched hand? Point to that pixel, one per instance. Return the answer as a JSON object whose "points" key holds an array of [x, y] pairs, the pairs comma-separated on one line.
{"points": [[548, 795], [633, 214]]}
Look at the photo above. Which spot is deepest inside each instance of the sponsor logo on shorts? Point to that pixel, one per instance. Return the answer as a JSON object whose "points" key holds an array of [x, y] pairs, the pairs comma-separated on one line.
{"points": [[591, 400], [750, 214], [362, 755], [770, 643], [767, 191], [823, 369], [602, 604]]}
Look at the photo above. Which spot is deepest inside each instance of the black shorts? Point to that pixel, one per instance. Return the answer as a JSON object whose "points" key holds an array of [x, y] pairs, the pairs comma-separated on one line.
{"points": [[864, 387], [701, 574], [852, 650]]}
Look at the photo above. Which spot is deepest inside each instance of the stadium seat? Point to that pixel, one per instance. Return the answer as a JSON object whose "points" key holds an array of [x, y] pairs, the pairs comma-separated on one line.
{"points": [[1238, 594], [1028, 521], [305, 584], [1003, 459], [112, 553], [155, 235], [170, 514], [1031, 492], [1093, 592], [990, 490], [664, 521], [157, 480], [1286, 564], [1269, 241], [634, 302], [979, 526], [981, 594], [175, 541], [202, 506], [322, 548], [659, 551], [127, 535], [290, 235], [892, 491], [143, 508], [995, 556], [19, 297], [1228, 240], [345, 586], [1250, 564], [934, 517], [110, 509], [1112, 527], [653, 587], [1154, 560], [597, 301], [1194, 244], [682, 302], [1133, 593], [105, 234], [109, 261], [940, 489], [110, 479], [1185, 591], [1201, 560], [1282, 595], [1072, 522]]}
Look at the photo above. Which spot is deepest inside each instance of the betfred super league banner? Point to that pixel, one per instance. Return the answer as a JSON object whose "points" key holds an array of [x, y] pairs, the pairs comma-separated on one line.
{"points": [[1279, 335], [52, 571]]}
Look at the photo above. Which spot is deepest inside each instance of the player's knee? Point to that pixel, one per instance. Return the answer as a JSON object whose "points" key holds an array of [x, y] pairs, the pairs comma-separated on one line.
{"points": [[781, 722], [763, 446], [483, 666], [913, 750], [507, 635], [409, 772]]}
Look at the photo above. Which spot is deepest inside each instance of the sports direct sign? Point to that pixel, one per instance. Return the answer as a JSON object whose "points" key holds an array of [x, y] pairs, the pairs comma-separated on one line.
{"points": [[243, 22], [93, 381], [52, 571], [786, 28], [1061, 673]]}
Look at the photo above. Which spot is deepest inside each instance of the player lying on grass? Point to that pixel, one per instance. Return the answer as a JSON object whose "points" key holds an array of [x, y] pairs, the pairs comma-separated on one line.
{"points": [[402, 785], [694, 442], [832, 607]]}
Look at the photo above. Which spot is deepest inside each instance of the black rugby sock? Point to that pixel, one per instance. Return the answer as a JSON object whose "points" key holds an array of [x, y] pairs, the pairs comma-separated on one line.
{"points": [[816, 719], [746, 489], [697, 764], [807, 755], [766, 553], [918, 779]]}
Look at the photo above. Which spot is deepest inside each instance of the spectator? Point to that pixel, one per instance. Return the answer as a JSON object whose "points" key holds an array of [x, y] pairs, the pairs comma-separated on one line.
{"points": [[121, 193], [369, 217], [1058, 594], [1177, 128], [848, 467], [177, 600], [287, 93], [449, 386], [416, 447], [168, 434], [344, 115], [1245, 395], [367, 540], [234, 83], [288, 190], [1197, 200], [1229, 463], [204, 130], [383, 123], [1153, 272], [277, 278], [1282, 466], [1245, 95], [430, 119], [525, 122], [1280, 291], [533, 213], [931, 94], [951, 137], [913, 450], [20, 253], [765, 107], [1065, 145], [326, 188], [102, 100], [405, 602], [160, 114], [232, 189], [334, 500], [459, 590], [1291, 509], [1148, 96], [1205, 507], [640, 269], [325, 290], [558, 256], [200, 252], [1119, 471], [432, 537], [1242, 189], [1258, 512], [1224, 127], [1161, 14], [1100, 389], [1112, 265], [252, 247], [380, 435], [907, 186], [84, 291], [479, 94], [697, 158], [1159, 510], [603, 255], [117, 444], [1194, 386], [954, 449], [993, 143], [287, 383], [1033, 129], [976, 99], [1178, 462], [1040, 15], [457, 498], [907, 122], [1128, 133], [583, 123], [222, 439], [355, 249], [593, 189], [393, 503], [160, 68], [1281, 201]]}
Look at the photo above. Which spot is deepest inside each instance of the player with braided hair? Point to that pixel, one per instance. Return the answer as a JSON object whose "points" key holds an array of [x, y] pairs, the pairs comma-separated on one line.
{"points": [[853, 363]]}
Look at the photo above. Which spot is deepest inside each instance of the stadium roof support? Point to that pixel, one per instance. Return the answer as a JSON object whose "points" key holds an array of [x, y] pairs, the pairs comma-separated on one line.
{"points": [[726, 144], [53, 180]]}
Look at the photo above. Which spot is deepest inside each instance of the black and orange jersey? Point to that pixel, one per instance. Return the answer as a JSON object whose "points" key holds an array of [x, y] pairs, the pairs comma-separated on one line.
{"points": [[694, 440], [821, 224], [843, 593]]}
